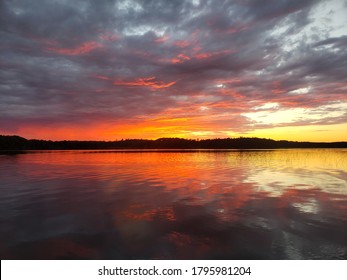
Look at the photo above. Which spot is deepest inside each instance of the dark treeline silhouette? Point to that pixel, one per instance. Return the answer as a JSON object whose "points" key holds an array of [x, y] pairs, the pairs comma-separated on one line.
{"points": [[19, 143]]}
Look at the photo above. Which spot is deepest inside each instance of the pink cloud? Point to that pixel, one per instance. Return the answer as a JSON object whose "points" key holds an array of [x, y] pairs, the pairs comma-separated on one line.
{"points": [[206, 55], [108, 36], [180, 58], [83, 48], [102, 77], [145, 82], [161, 39], [182, 43]]}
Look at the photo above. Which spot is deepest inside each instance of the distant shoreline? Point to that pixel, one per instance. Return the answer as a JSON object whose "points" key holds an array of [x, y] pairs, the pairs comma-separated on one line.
{"points": [[17, 143]]}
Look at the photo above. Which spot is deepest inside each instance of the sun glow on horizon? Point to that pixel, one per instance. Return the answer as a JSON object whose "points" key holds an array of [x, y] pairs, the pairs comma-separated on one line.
{"points": [[180, 128]]}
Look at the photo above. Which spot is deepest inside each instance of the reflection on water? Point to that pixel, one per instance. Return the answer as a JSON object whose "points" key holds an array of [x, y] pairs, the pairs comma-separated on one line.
{"points": [[281, 204]]}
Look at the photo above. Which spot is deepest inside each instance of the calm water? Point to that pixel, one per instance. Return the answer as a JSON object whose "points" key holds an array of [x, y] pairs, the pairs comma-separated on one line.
{"points": [[280, 204]]}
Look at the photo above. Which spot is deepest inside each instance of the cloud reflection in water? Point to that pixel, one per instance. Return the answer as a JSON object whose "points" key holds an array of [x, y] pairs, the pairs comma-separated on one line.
{"points": [[288, 204]]}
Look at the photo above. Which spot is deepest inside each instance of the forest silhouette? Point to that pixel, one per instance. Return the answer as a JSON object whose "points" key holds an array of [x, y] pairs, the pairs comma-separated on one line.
{"points": [[19, 143]]}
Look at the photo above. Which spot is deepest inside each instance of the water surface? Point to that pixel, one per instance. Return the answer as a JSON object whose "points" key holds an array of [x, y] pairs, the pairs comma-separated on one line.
{"points": [[259, 204]]}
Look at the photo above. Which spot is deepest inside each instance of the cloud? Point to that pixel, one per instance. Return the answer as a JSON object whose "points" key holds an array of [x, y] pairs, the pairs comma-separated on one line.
{"points": [[71, 63], [145, 82], [84, 48]]}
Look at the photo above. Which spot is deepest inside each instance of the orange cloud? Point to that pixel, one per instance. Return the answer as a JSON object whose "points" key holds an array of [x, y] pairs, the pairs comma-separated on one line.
{"points": [[145, 82], [180, 58]]}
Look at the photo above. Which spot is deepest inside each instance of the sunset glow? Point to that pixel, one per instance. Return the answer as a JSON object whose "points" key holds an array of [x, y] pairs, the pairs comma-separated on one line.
{"points": [[191, 69]]}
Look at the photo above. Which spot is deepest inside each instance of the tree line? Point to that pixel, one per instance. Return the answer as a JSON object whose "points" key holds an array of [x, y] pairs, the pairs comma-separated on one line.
{"points": [[20, 143]]}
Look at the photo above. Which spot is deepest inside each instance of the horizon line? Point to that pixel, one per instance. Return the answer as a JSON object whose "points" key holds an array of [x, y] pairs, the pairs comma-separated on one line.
{"points": [[162, 138]]}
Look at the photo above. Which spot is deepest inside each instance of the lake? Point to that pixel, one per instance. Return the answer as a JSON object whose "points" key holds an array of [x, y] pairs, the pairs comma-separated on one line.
{"points": [[230, 204]]}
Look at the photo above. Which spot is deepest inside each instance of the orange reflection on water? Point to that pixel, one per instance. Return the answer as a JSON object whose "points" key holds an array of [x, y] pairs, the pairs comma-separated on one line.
{"points": [[178, 204]]}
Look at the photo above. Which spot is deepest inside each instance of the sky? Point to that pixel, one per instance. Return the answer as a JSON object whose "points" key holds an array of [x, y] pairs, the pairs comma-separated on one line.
{"points": [[110, 70]]}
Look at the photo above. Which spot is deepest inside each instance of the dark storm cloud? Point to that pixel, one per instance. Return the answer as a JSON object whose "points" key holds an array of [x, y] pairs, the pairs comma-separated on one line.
{"points": [[73, 61]]}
